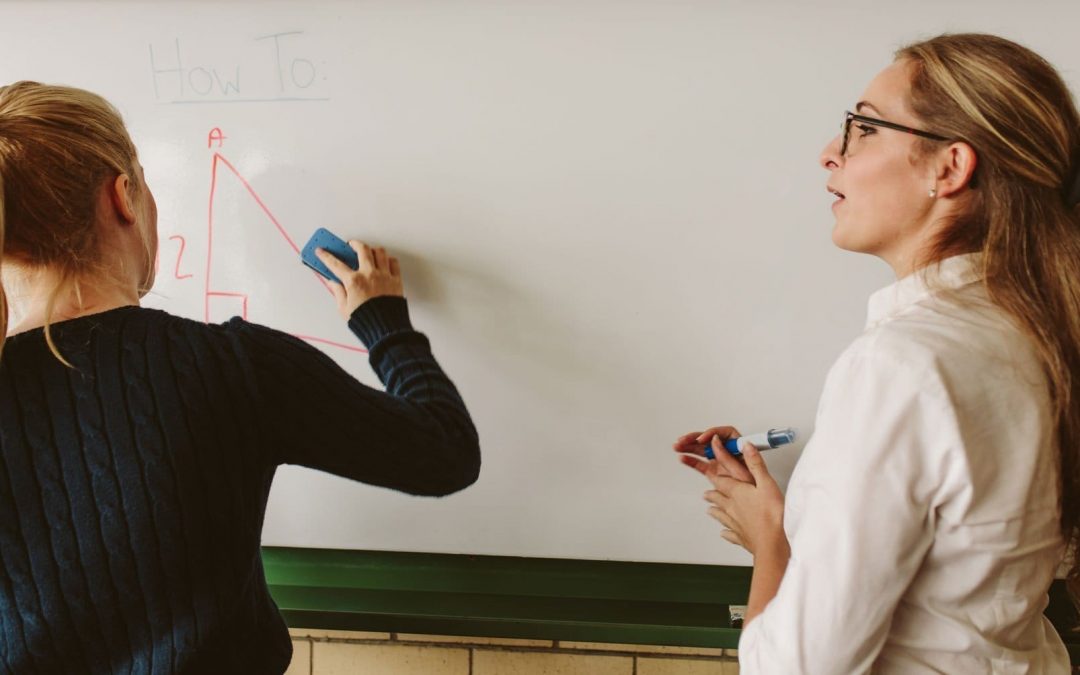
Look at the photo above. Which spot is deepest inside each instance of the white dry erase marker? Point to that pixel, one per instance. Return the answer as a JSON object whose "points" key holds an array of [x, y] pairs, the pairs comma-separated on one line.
{"points": [[763, 441]]}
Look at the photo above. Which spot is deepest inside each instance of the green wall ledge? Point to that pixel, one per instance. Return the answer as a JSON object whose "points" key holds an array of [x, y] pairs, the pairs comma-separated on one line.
{"points": [[538, 598]]}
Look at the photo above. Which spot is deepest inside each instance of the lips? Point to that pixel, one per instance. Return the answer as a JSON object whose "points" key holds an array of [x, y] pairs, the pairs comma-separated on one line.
{"points": [[835, 192]]}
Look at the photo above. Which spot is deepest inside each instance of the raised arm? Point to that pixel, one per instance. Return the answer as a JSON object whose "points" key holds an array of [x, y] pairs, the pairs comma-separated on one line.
{"points": [[416, 436]]}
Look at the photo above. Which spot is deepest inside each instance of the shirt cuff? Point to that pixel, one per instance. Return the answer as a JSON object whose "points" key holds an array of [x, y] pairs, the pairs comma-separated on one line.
{"points": [[380, 317]]}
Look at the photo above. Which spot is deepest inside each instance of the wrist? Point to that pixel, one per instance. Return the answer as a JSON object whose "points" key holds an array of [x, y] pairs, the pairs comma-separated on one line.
{"points": [[379, 317], [773, 547]]}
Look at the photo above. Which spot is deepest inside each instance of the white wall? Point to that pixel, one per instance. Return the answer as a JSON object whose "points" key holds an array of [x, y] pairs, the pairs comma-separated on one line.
{"points": [[610, 215]]}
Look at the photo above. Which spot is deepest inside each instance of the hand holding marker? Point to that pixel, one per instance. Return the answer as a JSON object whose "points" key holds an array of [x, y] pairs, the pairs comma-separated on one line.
{"points": [[763, 441]]}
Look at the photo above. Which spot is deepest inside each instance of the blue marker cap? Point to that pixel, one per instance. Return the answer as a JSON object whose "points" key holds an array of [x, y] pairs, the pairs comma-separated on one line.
{"points": [[770, 439]]}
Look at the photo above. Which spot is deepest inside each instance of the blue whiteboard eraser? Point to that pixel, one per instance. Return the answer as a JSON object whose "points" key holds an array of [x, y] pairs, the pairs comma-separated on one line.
{"points": [[326, 239]]}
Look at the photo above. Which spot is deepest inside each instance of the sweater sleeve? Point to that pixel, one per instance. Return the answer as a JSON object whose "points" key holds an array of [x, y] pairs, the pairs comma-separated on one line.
{"points": [[416, 437]]}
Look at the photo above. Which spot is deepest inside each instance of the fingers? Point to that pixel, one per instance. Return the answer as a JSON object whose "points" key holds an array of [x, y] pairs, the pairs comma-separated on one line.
{"points": [[365, 256], [339, 292], [382, 260], [708, 468], [723, 432], [732, 466], [375, 258], [693, 445], [730, 537], [333, 263], [689, 443], [722, 516], [716, 498], [756, 465], [696, 441], [694, 462], [725, 485], [688, 438], [377, 274]]}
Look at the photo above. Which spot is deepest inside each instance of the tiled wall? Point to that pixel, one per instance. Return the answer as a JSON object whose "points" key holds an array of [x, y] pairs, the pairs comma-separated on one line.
{"points": [[333, 652]]}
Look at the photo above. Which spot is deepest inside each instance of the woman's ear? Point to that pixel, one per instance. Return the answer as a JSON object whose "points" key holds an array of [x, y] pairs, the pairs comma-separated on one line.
{"points": [[120, 197], [955, 168]]}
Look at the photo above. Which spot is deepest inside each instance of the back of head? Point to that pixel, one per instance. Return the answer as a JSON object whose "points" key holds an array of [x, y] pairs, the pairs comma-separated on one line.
{"points": [[58, 146], [1012, 107]]}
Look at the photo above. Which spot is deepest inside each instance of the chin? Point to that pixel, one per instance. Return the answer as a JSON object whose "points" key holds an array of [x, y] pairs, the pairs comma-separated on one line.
{"points": [[844, 238], [840, 238]]}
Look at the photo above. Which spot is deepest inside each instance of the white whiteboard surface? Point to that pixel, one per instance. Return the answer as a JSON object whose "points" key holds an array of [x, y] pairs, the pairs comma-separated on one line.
{"points": [[610, 218]]}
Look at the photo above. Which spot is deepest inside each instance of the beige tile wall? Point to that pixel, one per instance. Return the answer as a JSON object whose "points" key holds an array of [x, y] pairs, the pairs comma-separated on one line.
{"points": [[335, 652]]}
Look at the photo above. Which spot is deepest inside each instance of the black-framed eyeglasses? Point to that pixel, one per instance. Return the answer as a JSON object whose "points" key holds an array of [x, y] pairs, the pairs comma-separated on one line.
{"points": [[850, 117]]}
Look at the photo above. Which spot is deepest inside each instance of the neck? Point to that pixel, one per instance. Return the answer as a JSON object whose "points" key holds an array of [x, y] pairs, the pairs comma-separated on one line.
{"points": [[912, 255], [919, 247], [906, 267], [29, 292]]}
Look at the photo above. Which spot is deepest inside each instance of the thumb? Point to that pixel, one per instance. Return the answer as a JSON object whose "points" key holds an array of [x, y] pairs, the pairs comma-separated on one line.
{"points": [[754, 462]]}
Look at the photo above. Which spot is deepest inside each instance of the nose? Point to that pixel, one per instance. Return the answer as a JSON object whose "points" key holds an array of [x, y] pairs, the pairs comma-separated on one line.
{"points": [[830, 157]]}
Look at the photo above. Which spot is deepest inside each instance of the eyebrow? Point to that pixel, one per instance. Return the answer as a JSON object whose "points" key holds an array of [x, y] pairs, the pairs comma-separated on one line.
{"points": [[866, 104]]}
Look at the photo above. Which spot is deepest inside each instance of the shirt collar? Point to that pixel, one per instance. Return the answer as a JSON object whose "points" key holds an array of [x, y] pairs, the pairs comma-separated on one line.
{"points": [[948, 274]]}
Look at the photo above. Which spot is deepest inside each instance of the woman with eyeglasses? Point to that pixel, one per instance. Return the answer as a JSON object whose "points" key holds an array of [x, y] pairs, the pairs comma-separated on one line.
{"points": [[925, 520]]}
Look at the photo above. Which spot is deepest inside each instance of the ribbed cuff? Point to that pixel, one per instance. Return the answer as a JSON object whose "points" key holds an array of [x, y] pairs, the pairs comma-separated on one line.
{"points": [[379, 317]]}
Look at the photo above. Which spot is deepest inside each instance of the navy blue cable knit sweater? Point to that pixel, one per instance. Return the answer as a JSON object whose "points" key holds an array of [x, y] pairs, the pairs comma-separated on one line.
{"points": [[133, 486]]}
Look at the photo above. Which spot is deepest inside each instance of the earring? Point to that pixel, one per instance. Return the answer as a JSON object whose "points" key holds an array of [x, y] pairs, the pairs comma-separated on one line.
{"points": [[933, 193]]}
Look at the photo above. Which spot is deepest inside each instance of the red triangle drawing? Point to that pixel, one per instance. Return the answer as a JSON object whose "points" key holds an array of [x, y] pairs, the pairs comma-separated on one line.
{"points": [[252, 286]]}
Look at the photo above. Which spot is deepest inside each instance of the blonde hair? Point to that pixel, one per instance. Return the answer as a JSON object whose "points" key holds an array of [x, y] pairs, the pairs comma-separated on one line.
{"points": [[58, 147], [1018, 115]]}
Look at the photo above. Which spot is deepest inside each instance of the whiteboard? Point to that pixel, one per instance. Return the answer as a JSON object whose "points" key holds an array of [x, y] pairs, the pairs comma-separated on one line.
{"points": [[610, 217]]}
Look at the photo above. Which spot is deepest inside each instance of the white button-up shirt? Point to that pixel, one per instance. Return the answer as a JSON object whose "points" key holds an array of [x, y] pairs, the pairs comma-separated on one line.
{"points": [[923, 515]]}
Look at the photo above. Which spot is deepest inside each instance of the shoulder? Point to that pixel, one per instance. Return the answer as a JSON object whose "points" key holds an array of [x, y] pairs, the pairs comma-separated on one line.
{"points": [[905, 355], [236, 333], [181, 323], [961, 329]]}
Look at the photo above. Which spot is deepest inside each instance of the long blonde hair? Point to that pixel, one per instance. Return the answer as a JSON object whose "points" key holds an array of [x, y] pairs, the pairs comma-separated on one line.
{"points": [[1014, 109], [58, 147]]}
